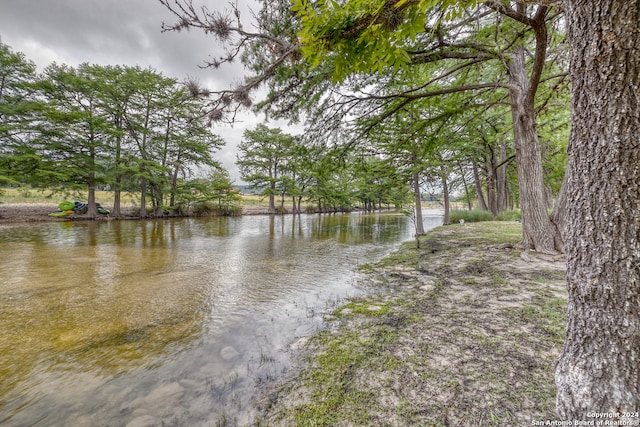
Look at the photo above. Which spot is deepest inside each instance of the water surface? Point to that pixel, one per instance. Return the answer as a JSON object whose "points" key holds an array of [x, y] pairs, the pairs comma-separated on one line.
{"points": [[177, 321]]}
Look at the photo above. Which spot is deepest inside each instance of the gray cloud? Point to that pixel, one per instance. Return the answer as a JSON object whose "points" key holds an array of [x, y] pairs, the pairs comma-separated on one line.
{"points": [[122, 32], [106, 32]]}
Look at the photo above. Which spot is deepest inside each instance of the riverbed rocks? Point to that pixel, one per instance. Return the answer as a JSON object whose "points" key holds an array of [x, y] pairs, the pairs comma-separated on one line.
{"points": [[145, 410], [229, 353]]}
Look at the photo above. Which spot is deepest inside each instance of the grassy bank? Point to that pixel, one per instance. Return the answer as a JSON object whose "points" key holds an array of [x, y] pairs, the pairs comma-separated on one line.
{"points": [[462, 332], [47, 197]]}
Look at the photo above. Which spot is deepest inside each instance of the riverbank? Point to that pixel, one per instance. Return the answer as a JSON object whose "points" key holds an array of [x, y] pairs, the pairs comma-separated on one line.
{"points": [[463, 332], [39, 212]]}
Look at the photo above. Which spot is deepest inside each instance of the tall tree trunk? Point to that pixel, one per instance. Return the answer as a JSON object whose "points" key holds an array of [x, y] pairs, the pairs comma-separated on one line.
{"points": [[559, 215], [143, 198], [501, 179], [598, 370], [491, 186], [117, 197], [478, 184], [117, 185], [158, 200], [92, 211], [174, 187], [445, 195], [466, 187], [272, 198], [539, 233], [417, 197]]}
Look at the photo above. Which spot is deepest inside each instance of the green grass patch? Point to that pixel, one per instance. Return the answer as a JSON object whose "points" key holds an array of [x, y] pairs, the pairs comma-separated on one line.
{"points": [[335, 397], [477, 215], [481, 233], [361, 307], [548, 314]]}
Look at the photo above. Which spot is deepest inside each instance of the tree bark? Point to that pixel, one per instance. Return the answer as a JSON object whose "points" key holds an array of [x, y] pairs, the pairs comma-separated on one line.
{"points": [[117, 198], [272, 198], [445, 194], [418, 201], [92, 211], [501, 178], [598, 370], [143, 198], [491, 186], [539, 233], [479, 194], [466, 186]]}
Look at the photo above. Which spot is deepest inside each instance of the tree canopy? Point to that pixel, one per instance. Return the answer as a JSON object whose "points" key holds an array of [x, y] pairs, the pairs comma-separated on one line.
{"points": [[91, 126]]}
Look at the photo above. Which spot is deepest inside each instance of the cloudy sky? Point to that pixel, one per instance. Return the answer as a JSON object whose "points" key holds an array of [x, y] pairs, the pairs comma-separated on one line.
{"points": [[123, 32]]}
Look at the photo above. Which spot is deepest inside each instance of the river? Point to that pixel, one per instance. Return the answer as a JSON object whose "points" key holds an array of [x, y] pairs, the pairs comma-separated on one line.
{"points": [[172, 322]]}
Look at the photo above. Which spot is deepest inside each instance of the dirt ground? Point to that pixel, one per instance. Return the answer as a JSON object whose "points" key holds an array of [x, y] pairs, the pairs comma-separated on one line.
{"points": [[463, 332], [27, 213]]}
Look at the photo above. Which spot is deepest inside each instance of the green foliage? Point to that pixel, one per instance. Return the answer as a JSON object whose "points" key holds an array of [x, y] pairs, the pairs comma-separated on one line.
{"points": [[228, 199], [477, 215], [510, 215], [212, 196], [367, 35], [263, 155], [123, 126], [19, 112], [470, 216]]}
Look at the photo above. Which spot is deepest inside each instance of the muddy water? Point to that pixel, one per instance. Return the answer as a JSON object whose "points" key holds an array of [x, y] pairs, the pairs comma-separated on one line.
{"points": [[175, 322]]}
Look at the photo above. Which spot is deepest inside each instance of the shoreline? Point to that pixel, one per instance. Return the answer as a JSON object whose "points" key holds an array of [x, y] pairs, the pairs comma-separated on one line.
{"points": [[38, 212], [460, 332], [14, 213]]}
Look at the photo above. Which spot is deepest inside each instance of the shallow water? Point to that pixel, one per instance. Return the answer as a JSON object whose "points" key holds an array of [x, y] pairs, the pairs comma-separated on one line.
{"points": [[178, 321]]}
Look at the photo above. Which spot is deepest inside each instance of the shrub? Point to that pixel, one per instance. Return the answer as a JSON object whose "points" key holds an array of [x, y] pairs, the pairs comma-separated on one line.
{"points": [[513, 215], [477, 215], [470, 216], [229, 210], [202, 209]]}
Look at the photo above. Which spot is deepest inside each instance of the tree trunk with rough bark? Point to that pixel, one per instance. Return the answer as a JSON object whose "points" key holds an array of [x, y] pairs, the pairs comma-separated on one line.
{"points": [[478, 184], [418, 201], [272, 198], [599, 368], [492, 197], [445, 194], [92, 211], [501, 178], [143, 198], [117, 197], [539, 232], [466, 186]]}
